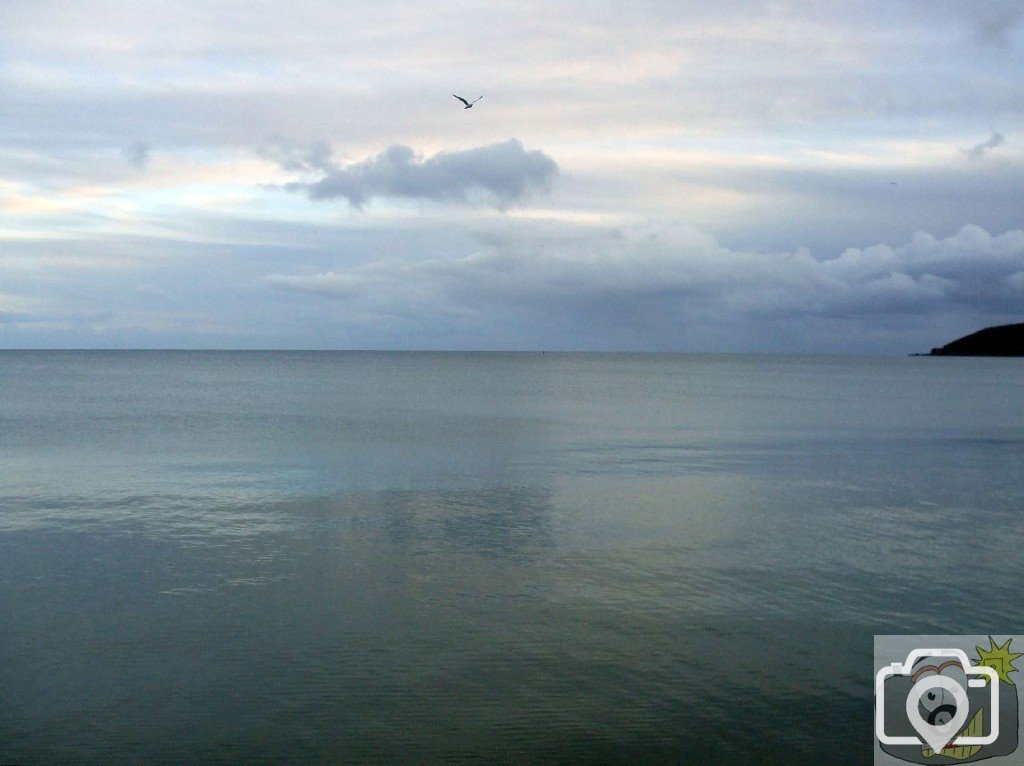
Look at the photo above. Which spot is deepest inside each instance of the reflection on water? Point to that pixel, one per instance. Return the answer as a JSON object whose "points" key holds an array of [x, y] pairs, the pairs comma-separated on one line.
{"points": [[498, 557]]}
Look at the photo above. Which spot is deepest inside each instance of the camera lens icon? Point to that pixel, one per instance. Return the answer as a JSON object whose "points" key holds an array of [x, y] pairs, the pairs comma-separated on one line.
{"points": [[938, 705], [937, 709]]}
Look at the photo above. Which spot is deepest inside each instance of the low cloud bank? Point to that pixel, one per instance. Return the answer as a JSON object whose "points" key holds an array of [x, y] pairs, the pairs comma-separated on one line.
{"points": [[644, 278]]}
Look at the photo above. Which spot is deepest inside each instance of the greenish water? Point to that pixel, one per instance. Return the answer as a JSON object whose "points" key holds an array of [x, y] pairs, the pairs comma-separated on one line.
{"points": [[273, 556]]}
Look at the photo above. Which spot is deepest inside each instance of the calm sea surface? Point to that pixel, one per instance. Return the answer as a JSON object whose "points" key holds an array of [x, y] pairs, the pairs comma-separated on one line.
{"points": [[500, 557]]}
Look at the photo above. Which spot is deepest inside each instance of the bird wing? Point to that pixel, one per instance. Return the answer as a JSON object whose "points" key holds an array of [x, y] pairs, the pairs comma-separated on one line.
{"points": [[475, 100], [460, 98]]}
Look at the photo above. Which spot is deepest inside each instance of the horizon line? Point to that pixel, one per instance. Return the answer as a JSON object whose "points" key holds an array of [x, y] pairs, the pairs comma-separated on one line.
{"points": [[454, 351]]}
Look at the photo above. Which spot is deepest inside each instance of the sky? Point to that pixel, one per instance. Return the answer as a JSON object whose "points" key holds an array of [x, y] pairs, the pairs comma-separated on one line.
{"points": [[678, 176]]}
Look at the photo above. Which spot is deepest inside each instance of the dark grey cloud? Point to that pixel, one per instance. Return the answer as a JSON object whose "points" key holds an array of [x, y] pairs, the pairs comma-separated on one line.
{"points": [[978, 150], [996, 20], [506, 172], [138, 154]]}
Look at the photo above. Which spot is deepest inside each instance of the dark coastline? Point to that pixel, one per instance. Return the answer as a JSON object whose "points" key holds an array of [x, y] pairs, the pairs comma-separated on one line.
{"points": [[1003, 340]]}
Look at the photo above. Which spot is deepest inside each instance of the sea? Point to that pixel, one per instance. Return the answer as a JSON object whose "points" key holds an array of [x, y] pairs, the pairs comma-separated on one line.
{"points": [[245, 557]]}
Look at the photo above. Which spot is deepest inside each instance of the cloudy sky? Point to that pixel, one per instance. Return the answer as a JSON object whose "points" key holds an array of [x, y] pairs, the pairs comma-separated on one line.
{"points": [[730, 176]]}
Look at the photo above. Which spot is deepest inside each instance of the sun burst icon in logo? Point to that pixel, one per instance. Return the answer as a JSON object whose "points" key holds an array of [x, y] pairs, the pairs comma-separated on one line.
{"points": [[999, 658]]}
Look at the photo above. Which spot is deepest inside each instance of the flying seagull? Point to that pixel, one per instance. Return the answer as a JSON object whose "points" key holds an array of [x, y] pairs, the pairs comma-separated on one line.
{"points": [[468, 104]]}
